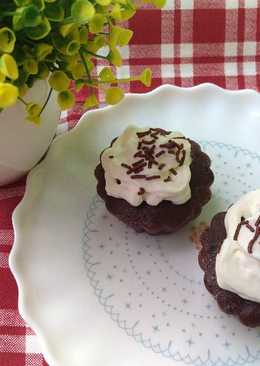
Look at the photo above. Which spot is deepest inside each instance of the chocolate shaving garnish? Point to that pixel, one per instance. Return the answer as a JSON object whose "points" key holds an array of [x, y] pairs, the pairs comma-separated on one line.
{"points": [[141, 191], [238, 228], [173, 171], [126, 166], [111, 156], [257, 223], [168, 179], [160, 153], [161, 166], [181, 161], [173, 152], [249, 227], [139, 168], [118, 181], [138, 176], [142, 134], [139, 154], [171, 144], [161, 131], [154, 135], [150, 165], [139, 145], [253, 240], [148, 142], [138, 162], [152, 177]]}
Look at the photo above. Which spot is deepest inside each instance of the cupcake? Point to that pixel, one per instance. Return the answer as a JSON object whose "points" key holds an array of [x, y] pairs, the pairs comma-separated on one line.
{"points": [[154, 180], [230, 259]]}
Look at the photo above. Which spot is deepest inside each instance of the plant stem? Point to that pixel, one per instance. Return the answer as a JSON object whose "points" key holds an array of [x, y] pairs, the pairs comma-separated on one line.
{"points": [[94, 54], [47, 100], [85, 65], [22, 100]]}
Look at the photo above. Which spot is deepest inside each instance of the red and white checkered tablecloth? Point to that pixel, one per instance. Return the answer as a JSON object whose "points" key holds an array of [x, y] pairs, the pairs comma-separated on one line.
{"points": [[187, 43]]}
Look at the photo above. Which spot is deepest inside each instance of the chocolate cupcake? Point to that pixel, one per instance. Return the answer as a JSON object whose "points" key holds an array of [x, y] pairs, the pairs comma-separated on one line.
{"points": [[230, 259], [154, 180]]}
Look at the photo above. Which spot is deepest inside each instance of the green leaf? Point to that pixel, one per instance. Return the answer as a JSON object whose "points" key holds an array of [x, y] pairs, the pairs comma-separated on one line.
{"points": [[103, 2], [82, 11], [54, 12], [114, 95], [8, 95], [59, 81], [159, 3], [7, 40], [79, 84], [91, 101], [120, 36], [31, 66], [43, 50], [66, 99], [116, 12], [65, 29], [8, 66], [114, 57], [22, 2], [83, 35], [146, 77], [43, 71], [39, 3], [106, 75], [41, 31], [28, 16], [96, 24]]}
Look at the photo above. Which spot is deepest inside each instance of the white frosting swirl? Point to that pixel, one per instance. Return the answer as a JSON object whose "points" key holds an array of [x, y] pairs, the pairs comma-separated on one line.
{"points": [[238, 262], [122, 184]]}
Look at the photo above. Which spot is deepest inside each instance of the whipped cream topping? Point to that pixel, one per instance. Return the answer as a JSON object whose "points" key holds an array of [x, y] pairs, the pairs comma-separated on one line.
{"points": [[238, 262], [148, 164]]}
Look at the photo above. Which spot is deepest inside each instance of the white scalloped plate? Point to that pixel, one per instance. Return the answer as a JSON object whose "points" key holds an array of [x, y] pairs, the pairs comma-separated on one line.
{"points": [[98, 294]]}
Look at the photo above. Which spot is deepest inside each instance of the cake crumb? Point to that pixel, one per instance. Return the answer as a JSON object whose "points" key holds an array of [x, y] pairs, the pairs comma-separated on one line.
{"points": [[196, 232]]}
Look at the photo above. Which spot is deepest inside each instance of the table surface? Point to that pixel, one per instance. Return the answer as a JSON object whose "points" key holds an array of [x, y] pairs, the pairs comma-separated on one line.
{"points": [[187, 43]]}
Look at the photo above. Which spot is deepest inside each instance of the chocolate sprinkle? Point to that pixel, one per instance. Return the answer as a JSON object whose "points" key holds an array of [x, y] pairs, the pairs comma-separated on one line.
{"points": [[161, 166], [257, 223], [152, 177], [118, 181], [249, 227], [238, 229], [173, 171], [141, 191], [168, 179], [139, 154], [139, 168], [111, 156], [138, 176], [138, 162], [171, 144], [252, 241], [142, 134], [126, 166], [160, 153]]}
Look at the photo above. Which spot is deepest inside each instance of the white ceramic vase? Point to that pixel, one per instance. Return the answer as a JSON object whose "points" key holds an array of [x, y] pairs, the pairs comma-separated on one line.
{"points": [[22, 144]]}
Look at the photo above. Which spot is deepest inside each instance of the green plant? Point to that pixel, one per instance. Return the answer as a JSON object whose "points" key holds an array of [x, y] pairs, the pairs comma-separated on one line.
{"points": [[60, 40]]}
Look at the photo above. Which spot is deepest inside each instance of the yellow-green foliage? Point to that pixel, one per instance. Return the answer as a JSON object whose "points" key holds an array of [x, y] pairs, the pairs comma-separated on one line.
{"points": [[60, 40]]}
